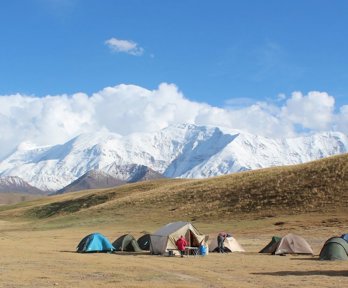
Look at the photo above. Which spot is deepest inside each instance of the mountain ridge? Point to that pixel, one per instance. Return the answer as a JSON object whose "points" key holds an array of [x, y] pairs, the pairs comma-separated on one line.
{"points": [[180, 151], [9, 184]]}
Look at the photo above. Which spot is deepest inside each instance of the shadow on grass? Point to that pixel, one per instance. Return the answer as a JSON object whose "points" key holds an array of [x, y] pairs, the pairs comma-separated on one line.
{"points": [[306, 259], [113, 253], [67, 251], [85, 253], [332, 273]]}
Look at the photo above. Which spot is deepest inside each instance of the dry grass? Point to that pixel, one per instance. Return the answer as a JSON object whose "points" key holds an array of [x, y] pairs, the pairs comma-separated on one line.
{"points": [[47, 258], [319, 186], [40, 236], [13, 198]]}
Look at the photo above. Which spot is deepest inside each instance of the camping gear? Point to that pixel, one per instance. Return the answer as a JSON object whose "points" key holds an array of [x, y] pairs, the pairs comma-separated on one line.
{"points": [[144, 242], [203, 250], [163, 240], [126, 243], [345, 237], [95, 242], [335, 248], [271, 246], [289, 244], [230, 245]]}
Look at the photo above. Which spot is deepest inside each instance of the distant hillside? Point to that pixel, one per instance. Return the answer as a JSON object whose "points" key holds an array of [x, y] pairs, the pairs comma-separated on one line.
{"points": [[14, 198], [92, 180], [317, 186], [144, 173], [96, 179], [15, 184]]}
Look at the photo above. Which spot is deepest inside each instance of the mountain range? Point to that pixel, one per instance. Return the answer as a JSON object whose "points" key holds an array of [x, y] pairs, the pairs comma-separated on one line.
{"points": [[10, 184], [180, 151]]}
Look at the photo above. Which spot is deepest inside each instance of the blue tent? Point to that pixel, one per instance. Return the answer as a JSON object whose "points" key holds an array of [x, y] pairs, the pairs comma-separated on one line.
{"points": [[345, 237], [95, 242]]}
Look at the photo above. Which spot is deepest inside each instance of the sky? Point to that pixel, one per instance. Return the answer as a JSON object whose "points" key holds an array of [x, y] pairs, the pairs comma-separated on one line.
{"points": [[273, 68]]}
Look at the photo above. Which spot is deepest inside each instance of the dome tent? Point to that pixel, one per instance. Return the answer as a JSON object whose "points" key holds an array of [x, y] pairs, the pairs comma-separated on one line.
{"points": [[270, 247], [335, 248], [230, 245], [126, 243], [144, 242], [94, 242], [289, 244]]}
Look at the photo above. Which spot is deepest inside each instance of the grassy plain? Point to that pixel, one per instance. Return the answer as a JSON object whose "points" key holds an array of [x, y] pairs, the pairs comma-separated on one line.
{"points": [[38, 238]]}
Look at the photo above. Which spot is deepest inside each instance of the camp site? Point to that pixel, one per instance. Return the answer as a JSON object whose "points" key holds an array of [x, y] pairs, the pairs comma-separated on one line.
{"points": [[125, 236], [174, 144]]}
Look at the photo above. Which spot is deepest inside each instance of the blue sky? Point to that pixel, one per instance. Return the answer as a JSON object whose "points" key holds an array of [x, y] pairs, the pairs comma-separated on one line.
{"points": [[248, 57], [212, 50]]}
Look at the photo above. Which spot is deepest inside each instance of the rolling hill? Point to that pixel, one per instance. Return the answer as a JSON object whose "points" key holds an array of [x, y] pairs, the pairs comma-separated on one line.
{"points": [[314, 187]]}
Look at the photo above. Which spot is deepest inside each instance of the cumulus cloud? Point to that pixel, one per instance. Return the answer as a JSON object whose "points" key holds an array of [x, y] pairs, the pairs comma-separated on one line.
{"points": [[124, 46], [342, 119], [312, 111], [126, 109]]}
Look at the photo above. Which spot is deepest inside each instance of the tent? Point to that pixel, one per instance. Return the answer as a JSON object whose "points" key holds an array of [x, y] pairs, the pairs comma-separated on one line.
{"points": [[290, 244], [95, 242], [144, 242], [270, 247], [126, 243], [345, 237], [164, 238], [335, 248], [230, 245]]}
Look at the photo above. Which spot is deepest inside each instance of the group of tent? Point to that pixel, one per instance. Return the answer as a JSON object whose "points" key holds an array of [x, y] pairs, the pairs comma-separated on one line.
{"points": [[97, 242], [159, 242], [163, 240], [335, 248]]}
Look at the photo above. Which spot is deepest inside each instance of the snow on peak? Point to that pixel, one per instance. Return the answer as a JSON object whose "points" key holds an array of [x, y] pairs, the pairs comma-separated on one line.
{"points": [[184, 150]]}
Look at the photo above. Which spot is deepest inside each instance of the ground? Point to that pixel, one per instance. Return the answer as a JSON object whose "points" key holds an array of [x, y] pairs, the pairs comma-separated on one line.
{"points": [[33, 257]]}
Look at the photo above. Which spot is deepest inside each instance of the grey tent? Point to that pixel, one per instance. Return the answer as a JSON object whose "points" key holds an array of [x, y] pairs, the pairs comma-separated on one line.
{"points": [[144, 242], [126, 243], [335, 248]]}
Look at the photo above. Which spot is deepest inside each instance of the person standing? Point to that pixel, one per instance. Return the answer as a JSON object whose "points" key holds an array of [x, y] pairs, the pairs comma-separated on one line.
{"points": [[181, 244], [220, 240]]}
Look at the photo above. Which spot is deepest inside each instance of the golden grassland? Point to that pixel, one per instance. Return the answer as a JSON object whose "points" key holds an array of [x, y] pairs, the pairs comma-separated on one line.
{"points": [[38, 238], [13, 198]]}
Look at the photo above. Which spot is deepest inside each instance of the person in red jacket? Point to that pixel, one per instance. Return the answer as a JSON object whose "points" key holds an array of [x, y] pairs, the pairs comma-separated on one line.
{"points": [[181, 244]]}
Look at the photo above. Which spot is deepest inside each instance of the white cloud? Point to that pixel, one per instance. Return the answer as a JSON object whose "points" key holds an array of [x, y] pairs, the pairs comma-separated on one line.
{"points": [[126, 109], [124, 46], [313, 111], [342, 119]]}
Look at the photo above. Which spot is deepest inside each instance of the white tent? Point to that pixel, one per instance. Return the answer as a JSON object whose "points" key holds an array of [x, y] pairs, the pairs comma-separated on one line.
{"points": [[164, 238], [293, 244], [230, 243]]}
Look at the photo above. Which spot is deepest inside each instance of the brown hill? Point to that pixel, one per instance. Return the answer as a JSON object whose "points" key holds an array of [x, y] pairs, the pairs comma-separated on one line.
{"points": [[91, 180], [13, 197], [317, 186]]}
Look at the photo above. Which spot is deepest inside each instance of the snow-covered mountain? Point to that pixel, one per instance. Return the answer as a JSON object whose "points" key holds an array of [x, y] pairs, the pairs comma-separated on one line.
{"points": [[186, 150]]}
